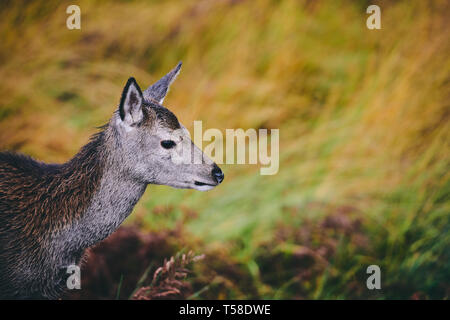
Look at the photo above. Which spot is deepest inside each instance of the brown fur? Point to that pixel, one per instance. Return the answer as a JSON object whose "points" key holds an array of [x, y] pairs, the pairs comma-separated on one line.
{"points": [[37, 199]]}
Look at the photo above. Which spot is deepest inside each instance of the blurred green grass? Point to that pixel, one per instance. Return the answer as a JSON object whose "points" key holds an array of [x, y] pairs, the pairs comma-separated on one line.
{"points": [[363, 118]]}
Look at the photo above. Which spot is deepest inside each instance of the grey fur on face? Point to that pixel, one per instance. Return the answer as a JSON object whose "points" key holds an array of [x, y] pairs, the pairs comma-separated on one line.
{"points": [[140, 131]]}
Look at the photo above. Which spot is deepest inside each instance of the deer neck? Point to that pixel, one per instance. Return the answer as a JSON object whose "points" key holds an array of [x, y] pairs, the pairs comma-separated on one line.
{"points": [[110, 203], [110, 206]]}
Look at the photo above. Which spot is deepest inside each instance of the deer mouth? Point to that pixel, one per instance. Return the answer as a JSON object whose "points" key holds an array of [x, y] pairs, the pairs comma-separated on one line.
{"points": [[198, 183]]}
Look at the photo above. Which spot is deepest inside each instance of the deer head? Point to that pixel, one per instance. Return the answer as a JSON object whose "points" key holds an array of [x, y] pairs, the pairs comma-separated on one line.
{"points": [[154, 147]]}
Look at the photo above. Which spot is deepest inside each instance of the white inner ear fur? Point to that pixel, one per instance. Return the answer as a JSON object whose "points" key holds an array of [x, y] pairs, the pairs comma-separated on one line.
{"points": [[133, 107]]}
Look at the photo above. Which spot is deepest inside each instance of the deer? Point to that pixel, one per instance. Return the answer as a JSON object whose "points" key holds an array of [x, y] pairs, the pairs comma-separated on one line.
{"points": [[50, 214]]}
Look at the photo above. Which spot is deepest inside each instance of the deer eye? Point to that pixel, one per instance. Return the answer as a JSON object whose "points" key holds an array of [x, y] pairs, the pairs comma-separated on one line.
{"points": [[168, 144]]}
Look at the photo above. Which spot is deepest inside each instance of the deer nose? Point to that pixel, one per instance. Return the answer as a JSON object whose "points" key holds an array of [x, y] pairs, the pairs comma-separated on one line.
{"points": [[217, 174]]}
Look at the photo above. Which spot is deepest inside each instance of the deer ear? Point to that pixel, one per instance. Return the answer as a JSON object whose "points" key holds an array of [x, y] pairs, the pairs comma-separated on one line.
{"points": [[130, 108], [159, 89]]}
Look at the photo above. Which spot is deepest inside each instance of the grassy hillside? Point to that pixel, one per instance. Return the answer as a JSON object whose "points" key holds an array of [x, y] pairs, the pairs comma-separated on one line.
{"points": [[363, 118]]}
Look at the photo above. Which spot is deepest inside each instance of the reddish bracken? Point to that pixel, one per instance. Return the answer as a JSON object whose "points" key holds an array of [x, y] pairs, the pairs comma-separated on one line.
{"points": [[167, 280]]}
